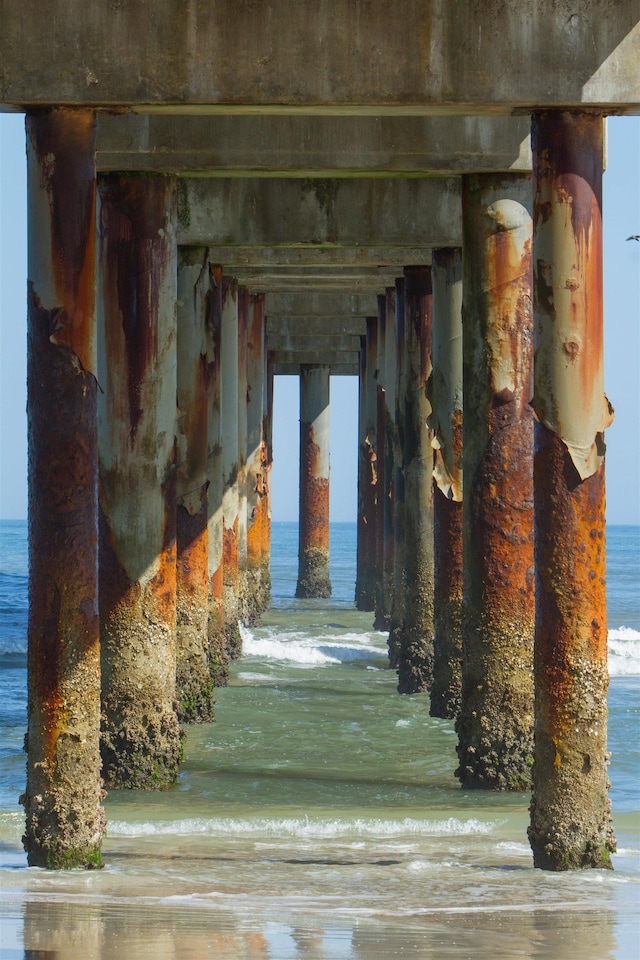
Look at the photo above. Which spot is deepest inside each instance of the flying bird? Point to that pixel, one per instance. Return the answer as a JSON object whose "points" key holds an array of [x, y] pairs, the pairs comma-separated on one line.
{"points": [[634, 236]]}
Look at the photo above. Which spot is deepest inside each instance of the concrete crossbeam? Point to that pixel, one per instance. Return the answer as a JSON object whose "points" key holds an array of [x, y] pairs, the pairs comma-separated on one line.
{"points": [[328, 358], [337, 369], [313, 326], [235, 257], [317, 213], [308, 146], [421, 56], [302, 342], [302, 305]]}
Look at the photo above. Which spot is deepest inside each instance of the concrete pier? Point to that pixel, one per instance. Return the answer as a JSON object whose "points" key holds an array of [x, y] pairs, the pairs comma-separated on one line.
{"points": [[570, 812], [368, 472], [258, 580], [396, 622], [415, 661], [381, 613], [246, 604], [495, 723], [64, 818], [446, 422], [313, 551], [141, 740], [230, 466], [194, 684], [390, 444]]}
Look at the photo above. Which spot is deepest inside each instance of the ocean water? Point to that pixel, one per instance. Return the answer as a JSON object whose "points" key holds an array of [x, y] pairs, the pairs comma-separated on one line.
{"points": [[318, 817]]}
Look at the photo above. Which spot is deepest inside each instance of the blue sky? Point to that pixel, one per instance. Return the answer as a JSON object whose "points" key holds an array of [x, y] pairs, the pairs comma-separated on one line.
{"points": [[622, 347]]}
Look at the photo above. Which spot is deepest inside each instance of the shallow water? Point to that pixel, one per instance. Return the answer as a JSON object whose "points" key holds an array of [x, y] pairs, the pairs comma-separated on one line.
{"points": [[319, 817]]}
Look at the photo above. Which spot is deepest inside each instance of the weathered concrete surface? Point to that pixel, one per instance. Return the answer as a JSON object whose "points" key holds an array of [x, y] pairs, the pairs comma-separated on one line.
{"points": [[390, 444], [218, 655], [246, 604], [64, 818], [317, 212], [381, 615], [495, 723], [141, 740], [313, 552], [570, 812], [365, 593], [446, 423], [306, 146], [415, 662], [194, 684], [259, 581], [230, 454], [396, 622], [288, 56], [353, 256], [326, 358]]}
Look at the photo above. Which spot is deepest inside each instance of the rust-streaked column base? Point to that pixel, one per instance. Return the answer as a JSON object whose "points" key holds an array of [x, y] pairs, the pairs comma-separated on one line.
{"points": [[570, 811], [194, 683], [217, 641], [447, 641]]}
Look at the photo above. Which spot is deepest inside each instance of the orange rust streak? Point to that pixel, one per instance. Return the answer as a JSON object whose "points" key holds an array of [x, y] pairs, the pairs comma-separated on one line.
{"points": [[230, 552], [314, 494], [193, 555]]}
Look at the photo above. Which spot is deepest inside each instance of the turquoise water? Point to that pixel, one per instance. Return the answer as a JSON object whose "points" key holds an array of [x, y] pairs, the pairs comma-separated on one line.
{"points": [[319, 816]]}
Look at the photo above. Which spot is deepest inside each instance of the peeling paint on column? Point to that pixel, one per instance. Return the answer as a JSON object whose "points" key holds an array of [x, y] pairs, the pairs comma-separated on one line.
{"points": [[194, 684], [415, 669], [141, 739], [495, 723], [570, 811], [313, 554], [257, 500], [446, 423], [230, 466], [65, 821], [366, 583], [217, 645]]}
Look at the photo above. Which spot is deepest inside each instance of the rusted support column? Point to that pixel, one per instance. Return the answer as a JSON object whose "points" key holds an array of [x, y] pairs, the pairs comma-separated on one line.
{"points": [[446, 422], [570, 813], [243, 585], [361, 525], [381, 614], [396, 623], [64, 818], [267, 433], [230, 466], [389, 365], [366, 582], [313, 554], [141, 740], [257, 501], [218, 656], [495, 723], [194, 684], [415, 668]]}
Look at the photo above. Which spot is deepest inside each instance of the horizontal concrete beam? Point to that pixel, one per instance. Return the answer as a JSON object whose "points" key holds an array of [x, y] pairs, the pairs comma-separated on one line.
{"points": [[335, 284], [319, 257], [314, 327], [299, 306], [326, 357], [311, 146], [318, 213], [337, 369], [303, 343], [421, 56]]}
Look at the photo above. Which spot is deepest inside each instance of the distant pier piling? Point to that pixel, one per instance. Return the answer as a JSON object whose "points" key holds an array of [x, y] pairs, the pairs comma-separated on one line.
{"points": [[313, 553]]}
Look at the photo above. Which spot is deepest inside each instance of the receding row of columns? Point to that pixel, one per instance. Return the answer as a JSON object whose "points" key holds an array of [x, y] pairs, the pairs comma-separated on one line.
{"points": [[481, 532], [148, 483], [481, 488]]}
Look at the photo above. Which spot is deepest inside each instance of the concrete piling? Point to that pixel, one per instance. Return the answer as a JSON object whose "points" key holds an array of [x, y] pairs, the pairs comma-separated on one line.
{"points": [[258, 586], [64, 818], [570, 811], [194, 684], [141, 740], [217, 642], [368, 473], [390, 442], [230, 466], [246, 602], [381, 613], [313, 554], [446, 422], [495, 723], [415, 666], [396, 623]]}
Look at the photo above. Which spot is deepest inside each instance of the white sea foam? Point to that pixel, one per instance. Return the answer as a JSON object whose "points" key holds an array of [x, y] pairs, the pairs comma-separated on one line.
{"points": [[302, 828], [297, 647], [624, 652]]}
